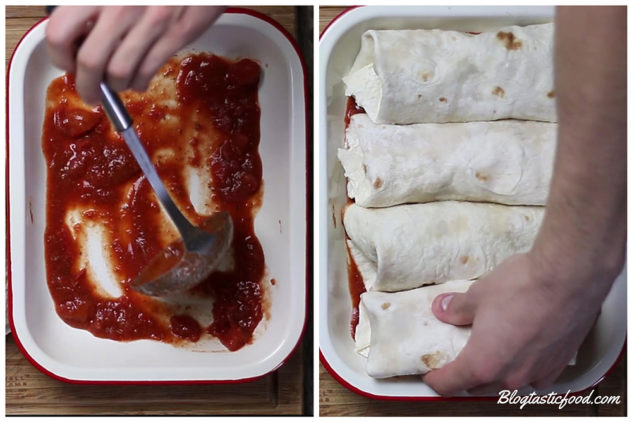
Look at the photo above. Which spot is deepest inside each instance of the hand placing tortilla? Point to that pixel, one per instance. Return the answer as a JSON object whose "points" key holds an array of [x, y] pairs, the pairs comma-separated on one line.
{"points": [[523, 332], [399, 334], [526, 330]]}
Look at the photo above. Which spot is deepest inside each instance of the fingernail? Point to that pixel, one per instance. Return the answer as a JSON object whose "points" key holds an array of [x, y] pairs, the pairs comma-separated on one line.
{"points": [[445, 302]]}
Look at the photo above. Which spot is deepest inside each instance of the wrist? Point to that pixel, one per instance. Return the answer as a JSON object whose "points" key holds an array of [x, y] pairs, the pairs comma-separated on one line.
{"points": [[574, 270]]}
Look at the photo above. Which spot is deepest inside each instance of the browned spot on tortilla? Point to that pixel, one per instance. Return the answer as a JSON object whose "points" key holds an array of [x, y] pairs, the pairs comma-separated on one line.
{"points": [[425, 323], [364, 168], [498, 91], [425, 76], [443, 99], [481, 176], [419, 96], [378, 183], [510, 40], [551, 94], [527, 218], [432, 360], [386, 305], [464, 259]]}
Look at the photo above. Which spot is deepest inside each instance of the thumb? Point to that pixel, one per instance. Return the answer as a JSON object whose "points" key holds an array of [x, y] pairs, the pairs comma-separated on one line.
{"points": [[454, 308]]}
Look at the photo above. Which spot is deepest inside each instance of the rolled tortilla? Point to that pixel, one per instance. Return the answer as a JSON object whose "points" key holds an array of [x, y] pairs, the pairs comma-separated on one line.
{"points": [[400, 335], [507, 162], [405, 336], [408, 246], [421, 76]]}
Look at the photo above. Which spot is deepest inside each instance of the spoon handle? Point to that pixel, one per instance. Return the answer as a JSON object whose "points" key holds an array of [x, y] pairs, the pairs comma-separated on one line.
{"points": [[122, 122]]}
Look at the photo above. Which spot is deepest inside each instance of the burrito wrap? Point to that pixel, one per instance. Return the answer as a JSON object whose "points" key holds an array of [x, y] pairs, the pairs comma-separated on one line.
{"points": [[507, 162], [406, 338], [421, 76], [407, 246]]}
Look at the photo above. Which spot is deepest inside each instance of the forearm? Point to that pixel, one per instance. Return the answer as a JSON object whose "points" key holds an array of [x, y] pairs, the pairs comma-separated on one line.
{"points": [[584, 231]]}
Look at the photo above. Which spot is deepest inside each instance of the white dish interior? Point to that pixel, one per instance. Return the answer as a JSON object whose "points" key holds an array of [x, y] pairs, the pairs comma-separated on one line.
{"points": [[338, 48], [280, 225]]}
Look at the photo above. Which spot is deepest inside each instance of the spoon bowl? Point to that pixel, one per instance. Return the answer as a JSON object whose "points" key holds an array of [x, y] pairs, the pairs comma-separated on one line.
{"points": [[175, 268], [187, 261]]}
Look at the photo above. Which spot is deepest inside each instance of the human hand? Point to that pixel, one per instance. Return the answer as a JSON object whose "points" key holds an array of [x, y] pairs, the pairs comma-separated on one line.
{"points": [[526, 326], [123, 45]]}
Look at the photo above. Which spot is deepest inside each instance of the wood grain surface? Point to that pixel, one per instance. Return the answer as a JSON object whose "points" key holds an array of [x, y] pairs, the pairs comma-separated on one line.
{"points": [[337, 400], [30, 392], [326, 14]]}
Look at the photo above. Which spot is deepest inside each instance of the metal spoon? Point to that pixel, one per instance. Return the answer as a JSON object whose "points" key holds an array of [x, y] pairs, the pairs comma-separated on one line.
{"points": [[184, 263]]}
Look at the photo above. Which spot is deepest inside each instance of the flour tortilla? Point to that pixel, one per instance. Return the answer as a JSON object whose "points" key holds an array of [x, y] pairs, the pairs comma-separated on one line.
{"points": [[422, 76], [407, 246], [507, 162], [400, 335], [405, 336]]}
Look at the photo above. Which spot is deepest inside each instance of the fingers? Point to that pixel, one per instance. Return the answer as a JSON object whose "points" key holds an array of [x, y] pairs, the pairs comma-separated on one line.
{"points": [[126, 46], [492, 389], [456, 376], [134, 47], [164, 48], [193, 21], [95, 52], [548, 380], [66, 26], [454, 308]]}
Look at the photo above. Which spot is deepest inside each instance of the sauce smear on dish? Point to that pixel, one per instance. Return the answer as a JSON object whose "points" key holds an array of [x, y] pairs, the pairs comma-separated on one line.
{"points": [[356, 288], [352, 108], [199, 121], [356, 284]]}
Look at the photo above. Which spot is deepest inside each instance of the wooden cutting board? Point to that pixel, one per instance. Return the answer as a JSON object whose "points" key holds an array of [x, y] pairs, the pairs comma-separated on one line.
{"points": [[30, 392], [336, 400]]}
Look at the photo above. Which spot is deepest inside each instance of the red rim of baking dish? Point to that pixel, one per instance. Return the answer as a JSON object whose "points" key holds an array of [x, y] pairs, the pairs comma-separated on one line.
{"points": [[361, 392], [308, 216]]}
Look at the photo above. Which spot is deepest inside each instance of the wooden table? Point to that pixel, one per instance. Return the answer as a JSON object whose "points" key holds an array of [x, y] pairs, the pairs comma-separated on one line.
{"points": [[336, 400], [29, 392]]}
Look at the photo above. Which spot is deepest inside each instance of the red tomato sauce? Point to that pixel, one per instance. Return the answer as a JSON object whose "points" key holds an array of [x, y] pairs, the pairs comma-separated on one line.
{"points": [[356, 284], [90, 168], [352, 108], [356, 288]]}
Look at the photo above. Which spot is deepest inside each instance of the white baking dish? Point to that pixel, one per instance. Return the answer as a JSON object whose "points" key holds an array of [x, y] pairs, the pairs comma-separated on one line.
{"points": [[339, 45], [75, 355]]}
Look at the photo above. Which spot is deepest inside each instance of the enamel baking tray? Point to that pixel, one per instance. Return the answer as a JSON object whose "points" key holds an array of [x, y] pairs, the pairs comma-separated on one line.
{"points": [[339, 45], [76, 355]]}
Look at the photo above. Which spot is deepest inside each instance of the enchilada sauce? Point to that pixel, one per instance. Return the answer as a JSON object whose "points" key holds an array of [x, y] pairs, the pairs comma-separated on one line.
{"points": [[352, 108], [92, 174], [356, 288], [356, 284]]}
